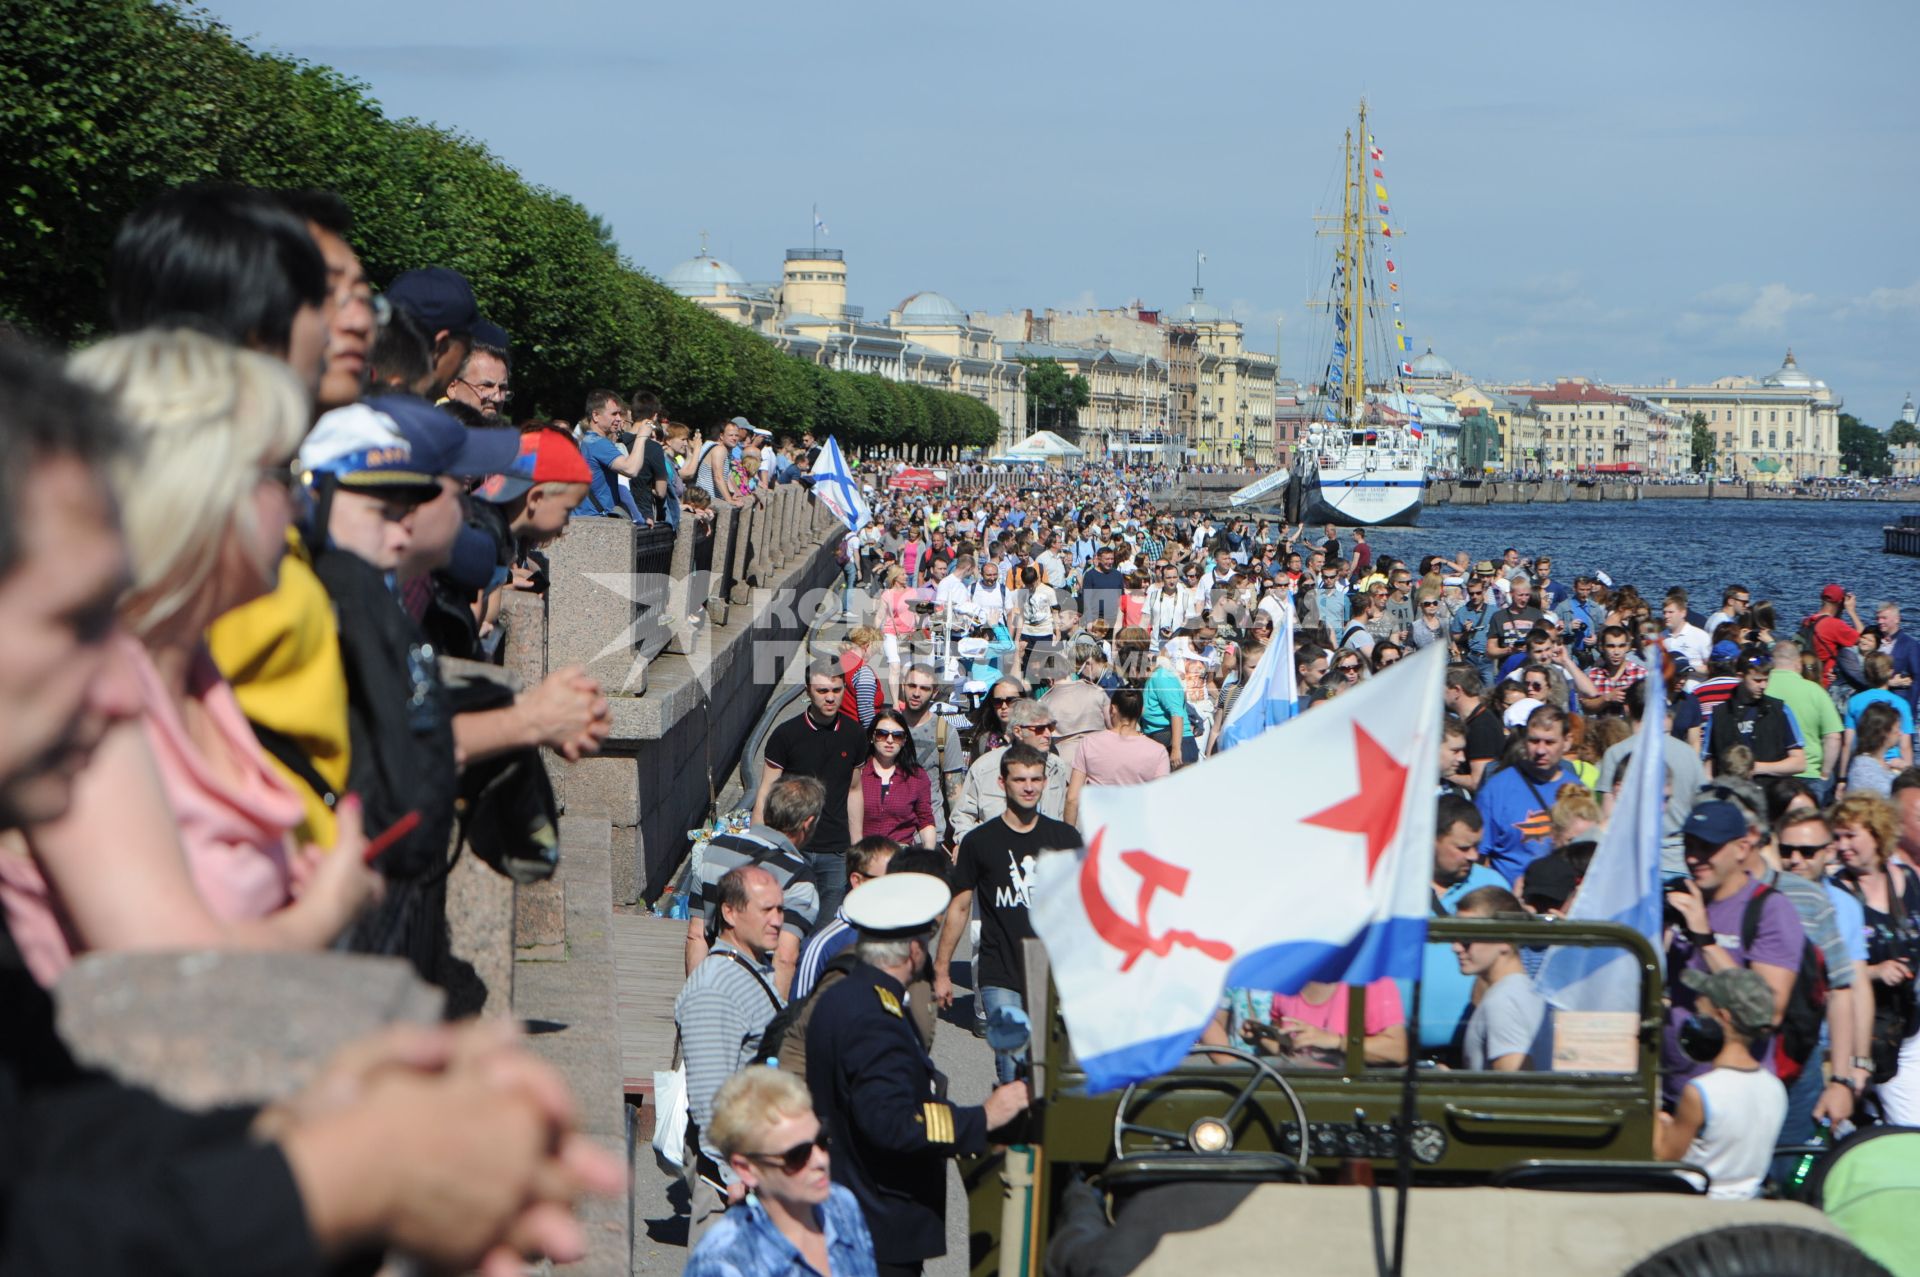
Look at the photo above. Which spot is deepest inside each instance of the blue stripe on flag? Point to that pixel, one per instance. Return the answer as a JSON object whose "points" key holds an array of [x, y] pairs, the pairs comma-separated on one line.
{"points": [[1394, 948]]}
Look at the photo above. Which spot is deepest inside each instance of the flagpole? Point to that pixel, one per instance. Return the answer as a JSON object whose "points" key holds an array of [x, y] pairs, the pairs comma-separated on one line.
{"points": [[1403, 1148]]}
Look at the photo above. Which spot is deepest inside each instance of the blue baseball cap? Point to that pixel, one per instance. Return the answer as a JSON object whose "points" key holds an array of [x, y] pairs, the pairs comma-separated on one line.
{"points": [[442, 445], [1715, 823], [439, 299]]}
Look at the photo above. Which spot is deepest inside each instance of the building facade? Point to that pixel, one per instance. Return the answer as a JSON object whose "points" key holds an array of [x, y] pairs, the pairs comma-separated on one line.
{"points": [[1775, 429], [1234, 418], [926, 340], [1590, 429]]}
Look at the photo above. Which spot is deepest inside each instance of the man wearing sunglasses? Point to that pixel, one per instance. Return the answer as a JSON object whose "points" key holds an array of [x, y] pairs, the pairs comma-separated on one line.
{"points": [[1810, 1095], [875, 1087], [1804, 842], [981, 796]]}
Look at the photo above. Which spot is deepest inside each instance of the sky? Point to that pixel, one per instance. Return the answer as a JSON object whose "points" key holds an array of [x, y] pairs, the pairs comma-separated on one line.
{"points": [[1630, 192]]}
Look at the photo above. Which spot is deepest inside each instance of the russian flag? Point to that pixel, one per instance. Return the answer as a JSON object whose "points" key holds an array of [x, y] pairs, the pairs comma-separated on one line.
{"points": [[1182, 892]]}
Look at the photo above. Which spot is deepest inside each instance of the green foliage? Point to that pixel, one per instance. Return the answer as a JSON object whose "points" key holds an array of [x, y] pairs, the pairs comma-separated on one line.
{"points": [[1901, 433], [104, 103], [1702, 443], [1863, 449], [1055, 396]]}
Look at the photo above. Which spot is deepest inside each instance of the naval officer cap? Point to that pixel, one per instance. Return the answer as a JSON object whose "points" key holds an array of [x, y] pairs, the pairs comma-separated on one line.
{"points": [[896, 906]]}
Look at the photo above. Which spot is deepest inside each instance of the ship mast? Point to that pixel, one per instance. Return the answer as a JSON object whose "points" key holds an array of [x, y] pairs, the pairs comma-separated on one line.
{"points": [[1354, 247]]}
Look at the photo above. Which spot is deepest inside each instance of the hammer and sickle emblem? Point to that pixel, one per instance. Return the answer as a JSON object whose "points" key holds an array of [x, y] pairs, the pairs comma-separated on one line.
{"points": [[1131, 935]]}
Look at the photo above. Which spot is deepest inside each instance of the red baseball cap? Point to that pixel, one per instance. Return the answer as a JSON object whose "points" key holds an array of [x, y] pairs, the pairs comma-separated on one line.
{"points": [[1832, 594], [546, 456]]}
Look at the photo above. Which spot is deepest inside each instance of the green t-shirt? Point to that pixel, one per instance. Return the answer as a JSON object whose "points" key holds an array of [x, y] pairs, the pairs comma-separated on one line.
{"points": [[1812, 709]]}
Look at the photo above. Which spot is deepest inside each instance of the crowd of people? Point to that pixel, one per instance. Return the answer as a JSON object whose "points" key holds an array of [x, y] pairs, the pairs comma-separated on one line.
{"points": [[243, 531], [1011, 642]]}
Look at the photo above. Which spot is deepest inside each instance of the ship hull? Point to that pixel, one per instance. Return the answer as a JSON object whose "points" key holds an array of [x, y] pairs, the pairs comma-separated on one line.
{"points": [[1354, 497]]}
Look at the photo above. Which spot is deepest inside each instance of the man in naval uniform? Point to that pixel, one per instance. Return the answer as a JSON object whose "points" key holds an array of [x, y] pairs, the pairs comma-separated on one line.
{"points": [[876, 1089]]}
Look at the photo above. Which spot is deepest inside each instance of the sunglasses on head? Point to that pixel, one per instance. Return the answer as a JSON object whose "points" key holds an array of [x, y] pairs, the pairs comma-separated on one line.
{"points": [[795, 1159]]}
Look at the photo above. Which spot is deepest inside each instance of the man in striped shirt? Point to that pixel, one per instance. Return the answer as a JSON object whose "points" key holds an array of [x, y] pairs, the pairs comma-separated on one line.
{"points": [[721, 1012], [793, 809]]}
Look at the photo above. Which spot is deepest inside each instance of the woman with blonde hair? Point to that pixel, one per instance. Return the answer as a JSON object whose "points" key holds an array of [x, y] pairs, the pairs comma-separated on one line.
{"points": [[1866, 837], [794, 1217], [179, 833]]}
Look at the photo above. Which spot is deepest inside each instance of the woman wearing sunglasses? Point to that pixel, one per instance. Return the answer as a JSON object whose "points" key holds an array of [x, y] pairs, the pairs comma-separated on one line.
{"points": [[897, 790], [990, 730], [1349, 671], [794, 1217]]}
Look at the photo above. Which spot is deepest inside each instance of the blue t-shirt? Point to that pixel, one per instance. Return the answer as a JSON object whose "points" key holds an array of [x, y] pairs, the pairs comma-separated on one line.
{"points": [[1851, 918], [1165, 700], [1446, 995], [1518, 811], [1857, 705], [604, 493]]}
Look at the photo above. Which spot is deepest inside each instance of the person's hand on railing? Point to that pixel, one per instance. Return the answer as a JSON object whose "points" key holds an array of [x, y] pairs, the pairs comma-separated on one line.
{"points": [[567, 713]]}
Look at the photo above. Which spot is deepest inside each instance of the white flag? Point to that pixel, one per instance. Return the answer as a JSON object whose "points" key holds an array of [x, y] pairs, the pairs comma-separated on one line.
{"points": [[837, 489], [1184, 888]]}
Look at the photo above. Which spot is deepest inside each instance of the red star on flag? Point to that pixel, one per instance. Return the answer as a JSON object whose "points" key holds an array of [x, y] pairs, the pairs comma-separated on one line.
{"points": [[1375, 810]]}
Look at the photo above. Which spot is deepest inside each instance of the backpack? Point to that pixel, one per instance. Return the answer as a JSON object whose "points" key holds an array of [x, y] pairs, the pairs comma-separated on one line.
{"points": [[783, 1043], [1806, 1001]]}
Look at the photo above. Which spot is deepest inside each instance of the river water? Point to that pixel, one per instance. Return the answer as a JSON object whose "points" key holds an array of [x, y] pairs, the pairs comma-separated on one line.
{"points": [[1779, 550]]}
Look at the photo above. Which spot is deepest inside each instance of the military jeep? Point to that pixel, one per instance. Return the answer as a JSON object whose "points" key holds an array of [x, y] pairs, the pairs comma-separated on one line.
{"points": [[1237, 1162]]}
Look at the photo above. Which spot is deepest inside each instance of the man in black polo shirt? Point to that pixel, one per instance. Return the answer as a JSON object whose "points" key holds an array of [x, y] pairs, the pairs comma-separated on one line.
{"points": [[827, 745]]}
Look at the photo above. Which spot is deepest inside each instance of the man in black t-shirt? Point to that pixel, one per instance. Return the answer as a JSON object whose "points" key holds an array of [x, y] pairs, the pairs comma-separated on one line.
{"points": [[827, 745], [1101, 586], [998, 860], [1486, 734]]}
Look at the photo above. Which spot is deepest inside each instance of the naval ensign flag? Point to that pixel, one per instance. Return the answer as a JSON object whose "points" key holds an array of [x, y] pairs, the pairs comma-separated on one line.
{"points": [[1304, 854]]}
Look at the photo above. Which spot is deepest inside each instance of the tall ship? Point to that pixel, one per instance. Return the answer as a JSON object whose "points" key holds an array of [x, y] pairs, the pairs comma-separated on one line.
{"points": [[1360, 462]]}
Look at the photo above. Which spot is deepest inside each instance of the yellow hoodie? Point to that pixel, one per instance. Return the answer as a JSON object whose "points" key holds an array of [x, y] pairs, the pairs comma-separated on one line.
{"points": [[281, 652]]}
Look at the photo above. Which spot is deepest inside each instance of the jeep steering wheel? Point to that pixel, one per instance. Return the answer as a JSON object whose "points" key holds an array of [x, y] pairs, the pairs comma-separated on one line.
{"points": [[1262, 1072]]}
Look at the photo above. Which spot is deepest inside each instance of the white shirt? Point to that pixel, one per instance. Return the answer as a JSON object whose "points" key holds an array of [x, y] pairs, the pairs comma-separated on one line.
{"points": [[1735, 1143], [1691, 642], [988, 601], [955, 592]]}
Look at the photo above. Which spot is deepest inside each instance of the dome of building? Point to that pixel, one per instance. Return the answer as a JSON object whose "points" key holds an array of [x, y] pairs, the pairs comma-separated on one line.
{"points": [[931, 308], [701, 276], [1201, 311], [1431, 366], [1790, 377]]}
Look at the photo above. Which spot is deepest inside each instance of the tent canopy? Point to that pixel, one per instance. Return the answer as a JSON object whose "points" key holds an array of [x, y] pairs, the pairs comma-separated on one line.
{"points": [[1043, 445]]}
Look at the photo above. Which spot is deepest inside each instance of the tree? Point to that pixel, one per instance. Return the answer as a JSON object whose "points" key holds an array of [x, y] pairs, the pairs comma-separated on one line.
{"points": [[1702, 443], [1055, 396], [1902, 433], [1863, 449], [105, 103]]}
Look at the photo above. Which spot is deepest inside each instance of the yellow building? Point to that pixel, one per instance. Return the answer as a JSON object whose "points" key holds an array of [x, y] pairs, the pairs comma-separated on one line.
{"points": [[1519, 423], [1774, 429], [1589, 429], [1234, 421], [926, 339]]}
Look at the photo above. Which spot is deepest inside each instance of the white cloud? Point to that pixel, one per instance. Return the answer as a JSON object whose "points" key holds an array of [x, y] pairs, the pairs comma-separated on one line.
{"points": [[1767, 312], [1883, 301]]}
